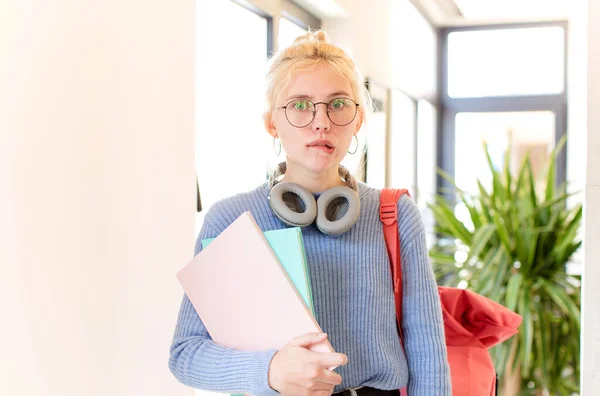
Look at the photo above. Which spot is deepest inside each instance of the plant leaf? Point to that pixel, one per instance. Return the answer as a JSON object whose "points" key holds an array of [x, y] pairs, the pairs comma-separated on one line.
{"points": [[551, 173], [507, 175], [513, 290], [562, 300], [543, 346], [532, 192], [480, 240], [497, 190], [502, 232], [526, 332]]}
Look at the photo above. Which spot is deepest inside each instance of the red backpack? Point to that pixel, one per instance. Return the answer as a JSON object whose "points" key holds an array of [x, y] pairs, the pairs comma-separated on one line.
{"points": [[472, 323]]}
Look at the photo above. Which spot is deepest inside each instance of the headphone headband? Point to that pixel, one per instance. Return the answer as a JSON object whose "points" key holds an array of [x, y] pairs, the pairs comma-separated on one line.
{"points": [[315, 209], [342, 171]]}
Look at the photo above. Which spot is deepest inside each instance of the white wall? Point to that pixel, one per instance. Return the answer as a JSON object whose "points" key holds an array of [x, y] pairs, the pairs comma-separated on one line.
{"points": [[413, 47], [590, 378], [97, 193]]}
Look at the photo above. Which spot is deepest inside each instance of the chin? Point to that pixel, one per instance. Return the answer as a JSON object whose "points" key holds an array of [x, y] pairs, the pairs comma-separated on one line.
{"points": [[315, 163], [320, 164]]}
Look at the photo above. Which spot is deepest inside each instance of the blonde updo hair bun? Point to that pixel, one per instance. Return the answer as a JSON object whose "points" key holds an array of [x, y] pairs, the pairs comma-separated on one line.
{"points": [[306, 52], [316, 35]]}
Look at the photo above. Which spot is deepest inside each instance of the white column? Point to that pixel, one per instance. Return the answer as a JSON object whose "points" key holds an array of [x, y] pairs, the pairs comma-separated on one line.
{"points": [[97, 193], [590, 378]]}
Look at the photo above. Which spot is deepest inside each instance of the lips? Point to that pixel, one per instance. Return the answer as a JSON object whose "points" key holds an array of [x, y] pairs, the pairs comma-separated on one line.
{"points": [[322, 143], [324, 146]]}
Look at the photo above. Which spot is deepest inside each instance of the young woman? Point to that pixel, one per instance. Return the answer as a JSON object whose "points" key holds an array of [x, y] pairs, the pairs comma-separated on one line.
{"points": [[317, 105]]}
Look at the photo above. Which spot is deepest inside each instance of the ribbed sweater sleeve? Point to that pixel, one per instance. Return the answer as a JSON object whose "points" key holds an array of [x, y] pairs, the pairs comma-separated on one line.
{"points": [[422, 323]]}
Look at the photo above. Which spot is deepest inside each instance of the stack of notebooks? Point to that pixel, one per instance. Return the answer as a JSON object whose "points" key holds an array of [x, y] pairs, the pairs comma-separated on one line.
{"points": [[251, 289]]}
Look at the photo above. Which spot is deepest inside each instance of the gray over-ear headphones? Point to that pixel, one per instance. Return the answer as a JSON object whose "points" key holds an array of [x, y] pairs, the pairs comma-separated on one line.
{"points": [[316, 210]]}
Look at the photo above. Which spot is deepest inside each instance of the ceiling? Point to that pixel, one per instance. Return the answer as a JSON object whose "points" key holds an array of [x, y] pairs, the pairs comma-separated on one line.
{"points": [[323, 9], [470, 12], [486, 9], [463, 12]]}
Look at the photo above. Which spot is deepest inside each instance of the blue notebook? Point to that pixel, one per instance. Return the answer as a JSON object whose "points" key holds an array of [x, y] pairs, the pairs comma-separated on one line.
{"points": [[289, 249]]}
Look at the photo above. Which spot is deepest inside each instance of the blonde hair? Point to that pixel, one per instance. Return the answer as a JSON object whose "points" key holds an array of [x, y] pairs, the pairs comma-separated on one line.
{"points": [[306, 52]]}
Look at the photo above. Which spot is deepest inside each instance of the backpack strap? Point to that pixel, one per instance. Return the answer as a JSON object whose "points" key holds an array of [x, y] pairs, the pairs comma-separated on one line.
{"points": [[388, 214]]}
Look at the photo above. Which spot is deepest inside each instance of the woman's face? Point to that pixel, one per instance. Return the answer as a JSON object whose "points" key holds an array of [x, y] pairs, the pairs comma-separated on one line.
{"points": [[320, 145]]}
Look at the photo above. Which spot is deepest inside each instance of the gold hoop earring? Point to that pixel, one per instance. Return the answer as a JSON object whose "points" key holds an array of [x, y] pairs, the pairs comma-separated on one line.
{"points": [[356, 149], [276, 147]]}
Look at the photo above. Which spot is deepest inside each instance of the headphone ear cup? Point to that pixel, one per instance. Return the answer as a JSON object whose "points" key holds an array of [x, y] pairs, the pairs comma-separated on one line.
{"points": [[339, 226], [286, 214]]}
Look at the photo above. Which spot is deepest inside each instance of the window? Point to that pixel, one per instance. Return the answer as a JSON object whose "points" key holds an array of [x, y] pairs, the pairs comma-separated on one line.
{"points": [[524, 132], [376, 135], [230, 100], [426, 152], [500, 78], [426, 160], [402, 142], [506, 62]]}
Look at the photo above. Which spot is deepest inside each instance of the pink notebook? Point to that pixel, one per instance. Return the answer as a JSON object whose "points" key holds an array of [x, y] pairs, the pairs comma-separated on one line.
{"points": [[242, 293]]}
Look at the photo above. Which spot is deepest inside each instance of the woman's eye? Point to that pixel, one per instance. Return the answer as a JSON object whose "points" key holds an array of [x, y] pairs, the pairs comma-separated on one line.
{"points": [[301, 105], [338, 104]]}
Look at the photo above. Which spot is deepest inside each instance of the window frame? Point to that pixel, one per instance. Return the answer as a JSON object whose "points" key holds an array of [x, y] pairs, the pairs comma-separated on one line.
{"points": [[449, 107]]}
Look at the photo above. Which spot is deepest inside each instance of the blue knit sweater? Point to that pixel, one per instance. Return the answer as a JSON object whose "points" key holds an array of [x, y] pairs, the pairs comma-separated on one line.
{"points": [[353, 302]]}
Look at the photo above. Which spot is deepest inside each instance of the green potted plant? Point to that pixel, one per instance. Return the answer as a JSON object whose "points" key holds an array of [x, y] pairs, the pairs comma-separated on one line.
{"points": [[514, 247]]}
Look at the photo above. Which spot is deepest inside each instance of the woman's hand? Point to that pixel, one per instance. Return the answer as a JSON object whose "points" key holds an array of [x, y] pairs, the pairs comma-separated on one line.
{"points": [[297, 371]]}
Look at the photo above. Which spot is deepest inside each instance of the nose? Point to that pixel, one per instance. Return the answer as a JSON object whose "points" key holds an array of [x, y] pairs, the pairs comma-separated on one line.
{"points": [[321, 120]]}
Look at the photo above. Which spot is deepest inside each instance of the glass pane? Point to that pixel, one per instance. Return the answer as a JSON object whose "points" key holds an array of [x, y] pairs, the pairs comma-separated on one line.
{"points": [[426, 165], [426, 152], [288, 31], [402, 136], [225, 139], [531, 132], [376, 131], [506, 62]]}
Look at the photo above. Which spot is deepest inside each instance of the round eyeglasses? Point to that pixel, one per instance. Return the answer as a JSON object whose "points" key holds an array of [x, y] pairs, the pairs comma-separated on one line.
{"points": [[301, 112]]}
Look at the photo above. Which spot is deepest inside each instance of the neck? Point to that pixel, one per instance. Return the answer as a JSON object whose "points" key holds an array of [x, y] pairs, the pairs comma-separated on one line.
{"points": [[313, 181]]}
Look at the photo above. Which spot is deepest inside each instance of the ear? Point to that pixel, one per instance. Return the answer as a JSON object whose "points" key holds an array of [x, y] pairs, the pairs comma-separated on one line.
{"points": [[269, 126]]}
